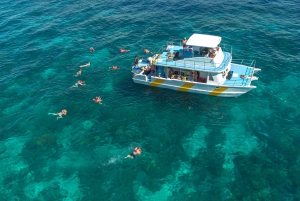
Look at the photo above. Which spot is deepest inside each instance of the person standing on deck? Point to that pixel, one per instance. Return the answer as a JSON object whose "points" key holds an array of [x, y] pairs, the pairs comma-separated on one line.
{"points": [[184, 42], [136, 61]]}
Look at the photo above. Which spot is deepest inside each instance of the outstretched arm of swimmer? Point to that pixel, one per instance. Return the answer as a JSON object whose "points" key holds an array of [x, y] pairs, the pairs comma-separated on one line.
{"points": [[128, 156]]}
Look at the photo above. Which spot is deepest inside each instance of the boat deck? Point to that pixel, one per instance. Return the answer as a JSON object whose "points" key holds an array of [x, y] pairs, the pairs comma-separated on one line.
{"points": [[186, 60], [234, 77]]}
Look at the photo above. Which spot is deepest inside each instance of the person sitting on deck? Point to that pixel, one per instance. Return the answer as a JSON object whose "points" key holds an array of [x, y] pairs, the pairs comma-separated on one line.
{"points": [[153, 69], [204, 51], [148, 70], [196, 76], [210, 52], [171, 73]]}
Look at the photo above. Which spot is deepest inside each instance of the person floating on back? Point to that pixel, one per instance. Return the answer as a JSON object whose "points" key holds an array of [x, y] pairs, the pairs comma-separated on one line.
{"points": [[137, 151], [60, 114], [85, 65], [78, 73], [92, 49], [97, 100], [122, 50]]}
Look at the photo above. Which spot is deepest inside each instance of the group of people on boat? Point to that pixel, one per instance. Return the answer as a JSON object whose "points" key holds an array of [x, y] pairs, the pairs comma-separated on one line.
{"points": [[208, 52], [184, 75]]}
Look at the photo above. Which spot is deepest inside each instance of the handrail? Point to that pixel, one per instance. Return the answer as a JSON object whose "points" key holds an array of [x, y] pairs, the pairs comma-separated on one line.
{"points": [[193, 64], [250, 63]]}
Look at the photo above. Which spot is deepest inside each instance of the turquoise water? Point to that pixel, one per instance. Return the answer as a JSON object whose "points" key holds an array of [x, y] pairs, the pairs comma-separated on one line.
{"points": [[195, 147]]}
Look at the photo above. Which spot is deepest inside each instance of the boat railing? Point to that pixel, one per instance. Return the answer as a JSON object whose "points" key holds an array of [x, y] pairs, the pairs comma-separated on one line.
{"points": [[245, 82], [245, 62], [249, 63], [192, 65], [174, 42], [226, 48]]}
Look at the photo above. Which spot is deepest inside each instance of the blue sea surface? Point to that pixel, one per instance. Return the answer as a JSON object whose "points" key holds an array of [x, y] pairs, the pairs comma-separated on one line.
{"points": [[195, 147]]}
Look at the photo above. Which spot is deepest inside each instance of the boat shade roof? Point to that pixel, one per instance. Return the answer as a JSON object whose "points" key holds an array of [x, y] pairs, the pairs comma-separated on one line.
{"points": [[203, 40]]}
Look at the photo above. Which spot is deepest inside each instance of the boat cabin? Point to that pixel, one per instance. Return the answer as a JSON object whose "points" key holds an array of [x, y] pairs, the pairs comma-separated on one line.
{"points": [[205, 50]]}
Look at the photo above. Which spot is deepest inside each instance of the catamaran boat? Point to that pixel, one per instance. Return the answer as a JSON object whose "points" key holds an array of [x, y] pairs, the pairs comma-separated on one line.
{"points": [[198, 65]]}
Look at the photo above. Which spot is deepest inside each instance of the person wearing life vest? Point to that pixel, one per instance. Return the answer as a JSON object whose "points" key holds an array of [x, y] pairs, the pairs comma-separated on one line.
{"points": [[97, 100]]}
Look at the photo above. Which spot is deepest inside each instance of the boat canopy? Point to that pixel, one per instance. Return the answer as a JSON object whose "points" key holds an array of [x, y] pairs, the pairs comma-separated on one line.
{"points": [[203, 40]]}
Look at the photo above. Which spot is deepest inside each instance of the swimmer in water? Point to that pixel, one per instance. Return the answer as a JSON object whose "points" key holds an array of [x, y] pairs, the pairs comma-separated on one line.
{"points": [[79, 82], [97, 100], [137, 151], [122, 50], [113, 68], [92, 49], [147, 51], [85, 65], [78, 73], [60, 114]]}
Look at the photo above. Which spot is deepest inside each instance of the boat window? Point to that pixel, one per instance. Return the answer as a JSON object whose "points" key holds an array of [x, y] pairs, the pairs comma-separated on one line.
{"points": [[211, 77]]}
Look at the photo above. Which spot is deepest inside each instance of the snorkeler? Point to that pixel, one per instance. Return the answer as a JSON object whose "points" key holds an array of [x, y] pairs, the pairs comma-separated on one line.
{"points": [[97, 100], [78, 73], [63, 112], [122, 50], [92, 49], [113, 68], [137, 151], [79, 82], [85, 65], [147, 51]]}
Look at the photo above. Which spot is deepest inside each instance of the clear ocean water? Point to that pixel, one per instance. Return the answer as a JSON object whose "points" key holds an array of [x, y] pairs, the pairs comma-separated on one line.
{"points": [[195, 147]]}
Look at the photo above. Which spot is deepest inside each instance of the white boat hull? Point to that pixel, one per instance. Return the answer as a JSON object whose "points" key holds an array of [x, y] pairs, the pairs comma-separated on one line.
{"points": [[192, 87]]}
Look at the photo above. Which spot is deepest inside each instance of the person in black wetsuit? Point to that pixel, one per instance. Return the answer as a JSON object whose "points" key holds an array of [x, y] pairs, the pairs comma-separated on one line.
{"points": [[136, 61], [137, 151]]}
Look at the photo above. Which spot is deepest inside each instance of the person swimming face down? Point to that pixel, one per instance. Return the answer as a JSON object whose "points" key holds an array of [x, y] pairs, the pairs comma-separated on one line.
{"points": [[97, 100], [137, 151]]}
